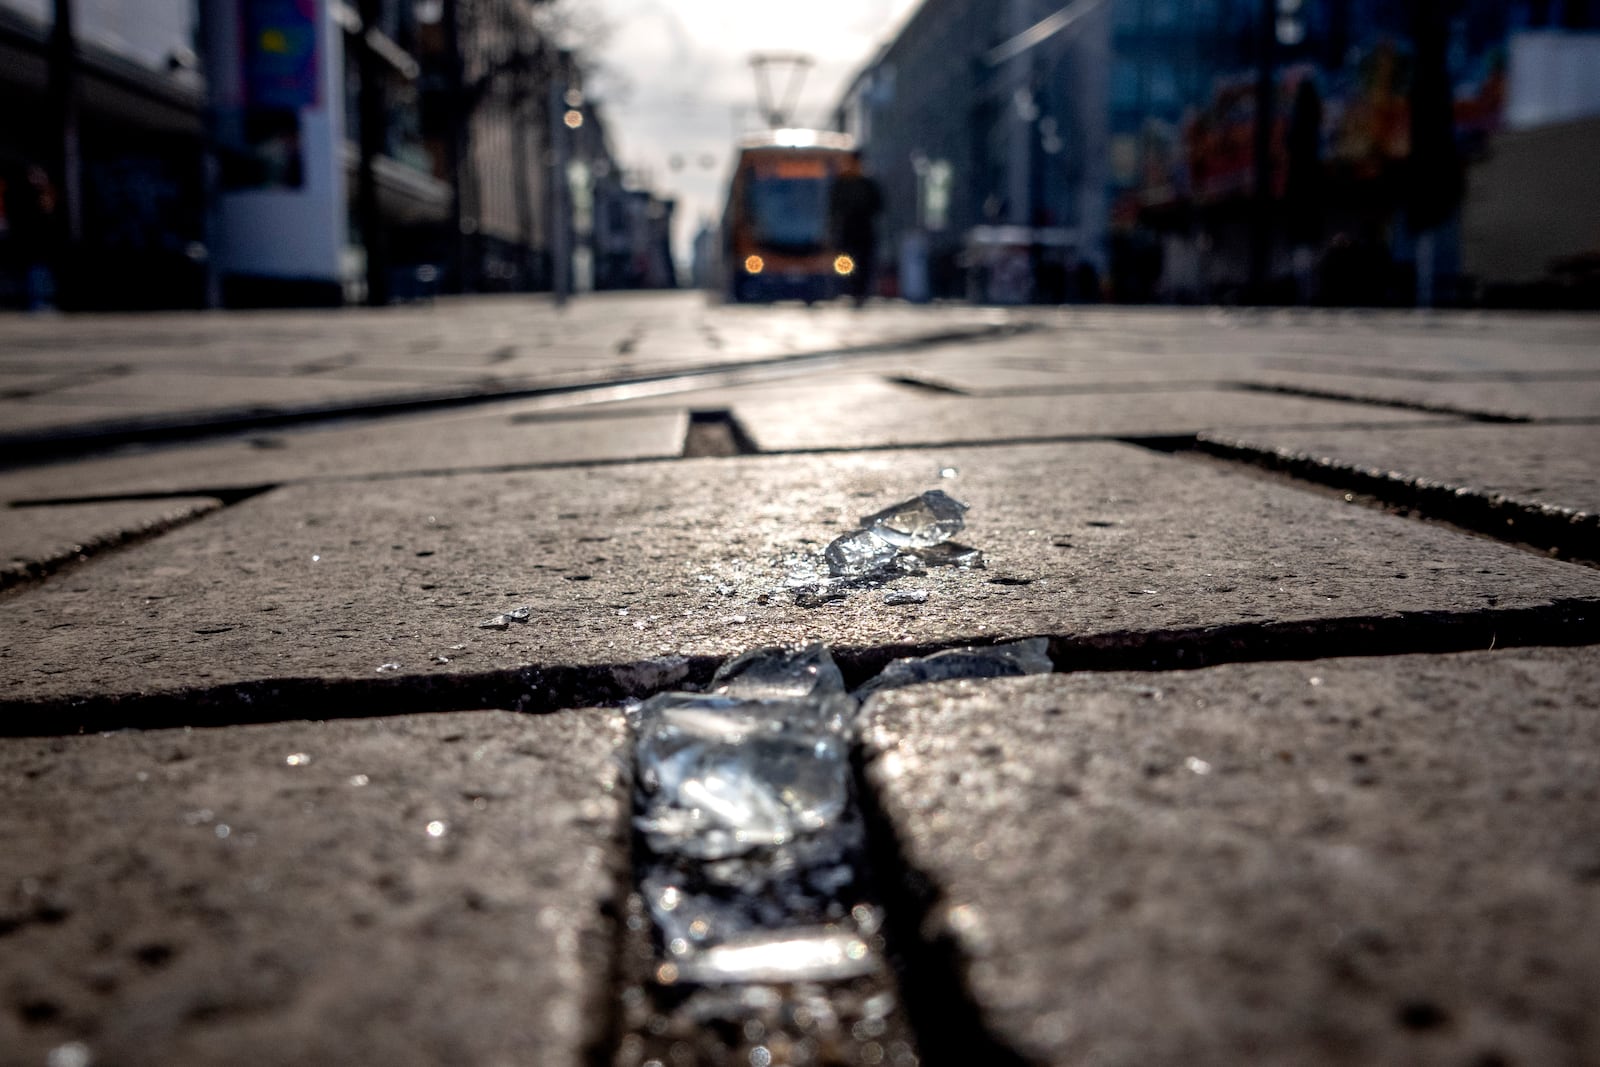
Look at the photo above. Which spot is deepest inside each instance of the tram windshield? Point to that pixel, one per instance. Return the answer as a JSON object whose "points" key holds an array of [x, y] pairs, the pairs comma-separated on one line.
{"points": [[789, 214]]}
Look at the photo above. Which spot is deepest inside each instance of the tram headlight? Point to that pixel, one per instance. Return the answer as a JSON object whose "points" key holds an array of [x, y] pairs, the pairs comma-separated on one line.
{"points": [[844, 265], [753, 264]]}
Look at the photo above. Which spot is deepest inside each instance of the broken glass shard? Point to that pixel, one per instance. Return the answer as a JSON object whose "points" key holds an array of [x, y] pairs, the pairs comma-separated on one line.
{"points": [[1030, 656], [816, 598], [949, 554], [720, 776], [924, 520], [858, 553], [495, 622], [519, 614], [897, 597], [776, 672], [820, 955]]}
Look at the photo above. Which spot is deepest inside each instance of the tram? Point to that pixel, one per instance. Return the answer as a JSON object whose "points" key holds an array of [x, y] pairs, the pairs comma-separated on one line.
{"points": [[776, 242]]}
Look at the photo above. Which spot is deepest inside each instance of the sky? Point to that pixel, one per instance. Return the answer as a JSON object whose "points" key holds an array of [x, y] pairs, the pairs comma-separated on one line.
{"points": [[676, 86]]}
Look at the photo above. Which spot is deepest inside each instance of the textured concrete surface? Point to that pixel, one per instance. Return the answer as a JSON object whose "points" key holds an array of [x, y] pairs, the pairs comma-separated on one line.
{"points": [[1383, 860], [415, 445], [178, 367], [1536, 465], [414, 890], [633, 561], [921, 417], [35, 541], [1558, 397], [1336, 862]]}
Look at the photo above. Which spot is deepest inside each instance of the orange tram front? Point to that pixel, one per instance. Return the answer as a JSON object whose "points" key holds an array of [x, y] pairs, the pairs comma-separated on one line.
{"points": [[778, 242]]}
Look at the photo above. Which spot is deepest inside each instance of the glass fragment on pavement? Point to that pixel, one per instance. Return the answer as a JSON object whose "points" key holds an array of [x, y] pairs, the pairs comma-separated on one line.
{"points": [[858, 554], [1030, 656], [921, 522], [775, 672]]}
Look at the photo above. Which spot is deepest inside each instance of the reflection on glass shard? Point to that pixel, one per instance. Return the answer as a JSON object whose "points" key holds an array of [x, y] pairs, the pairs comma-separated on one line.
{"points": [[897, 597], [858, 553], [949, 554], [1030, 656], [721, 776], [777, 672], [924, 520], [820, 955]]}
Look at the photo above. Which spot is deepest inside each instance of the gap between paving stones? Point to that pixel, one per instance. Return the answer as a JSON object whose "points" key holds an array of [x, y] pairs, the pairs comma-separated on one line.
{"points": [[716, 432], [24, 575], [925, 954], [1563, 533], [29, 448], [27, 575], [933, 385], [1336, 396], [742, 444], [541, 689]]}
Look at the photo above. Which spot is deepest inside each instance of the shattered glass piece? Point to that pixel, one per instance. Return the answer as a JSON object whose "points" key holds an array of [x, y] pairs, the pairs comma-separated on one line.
{"points": [[820, 955], [777, 671], [720, 776], [949, 472], [821, 596], [858, 553], [897, 597], [1030, 656], [949, 554], [522, 614], [924, 520], [813, 880], [495, 622]]}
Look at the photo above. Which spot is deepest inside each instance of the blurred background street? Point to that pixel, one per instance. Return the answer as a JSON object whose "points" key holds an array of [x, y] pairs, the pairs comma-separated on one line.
{"points": [[165, 154]]}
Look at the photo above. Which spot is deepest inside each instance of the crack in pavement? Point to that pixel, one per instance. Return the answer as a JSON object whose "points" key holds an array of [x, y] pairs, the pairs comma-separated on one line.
{"points": [[550, 688], [1545, 529]]}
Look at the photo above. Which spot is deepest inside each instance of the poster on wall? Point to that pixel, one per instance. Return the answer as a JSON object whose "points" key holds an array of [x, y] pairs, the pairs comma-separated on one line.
{"points": [[279, 65]]}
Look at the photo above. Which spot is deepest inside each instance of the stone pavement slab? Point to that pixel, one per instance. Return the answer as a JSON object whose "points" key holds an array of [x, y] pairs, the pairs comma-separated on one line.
{"points": [[1342, 339], [1564, 397], [1337, 862], [414, 444], [412, 890], [185, 366], [35, 541], [176, 393], [918, 417], [1536, 465], [622, 563]]}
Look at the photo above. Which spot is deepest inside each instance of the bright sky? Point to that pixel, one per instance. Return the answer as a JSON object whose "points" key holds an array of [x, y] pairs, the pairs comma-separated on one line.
{"points": [[677, 87]]}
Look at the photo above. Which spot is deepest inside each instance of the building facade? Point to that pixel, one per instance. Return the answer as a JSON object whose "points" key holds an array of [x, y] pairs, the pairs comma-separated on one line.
{"points": [[1031, 150], [168, 153], [101, 155]]}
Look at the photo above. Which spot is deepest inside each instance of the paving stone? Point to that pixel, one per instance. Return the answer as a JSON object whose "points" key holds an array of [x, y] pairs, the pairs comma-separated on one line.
{"points": [[1340, 338], [1340, 862], [187, 366], [1536, 465], [855, 421], [175, 393], [381, 448], [1568, 396], [34, 541], [197, 897], [627, 562], [26, 384]]}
